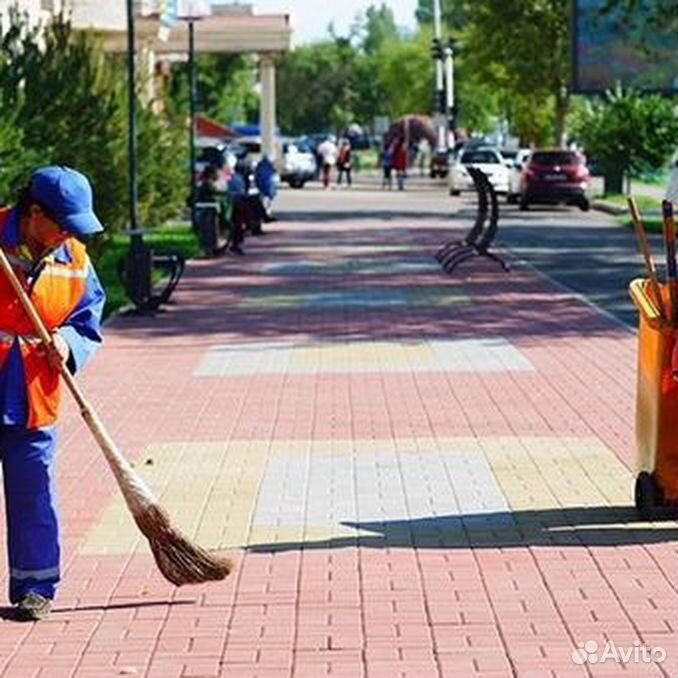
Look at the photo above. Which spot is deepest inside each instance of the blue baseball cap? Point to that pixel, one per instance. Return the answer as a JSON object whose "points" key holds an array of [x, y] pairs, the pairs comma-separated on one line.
{"points": [[67, 195]]}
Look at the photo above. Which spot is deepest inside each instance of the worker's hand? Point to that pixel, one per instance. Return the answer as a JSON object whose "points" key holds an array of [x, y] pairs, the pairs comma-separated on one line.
{"points": [[58, 352]]}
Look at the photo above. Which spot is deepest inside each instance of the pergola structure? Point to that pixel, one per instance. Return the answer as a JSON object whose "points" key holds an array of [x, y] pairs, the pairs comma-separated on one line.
{"points": [[229, 29]]}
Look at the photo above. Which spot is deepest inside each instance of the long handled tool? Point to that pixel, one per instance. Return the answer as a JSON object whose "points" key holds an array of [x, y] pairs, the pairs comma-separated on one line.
{"points": [[180, 561], [647, 255], [670, 243]]}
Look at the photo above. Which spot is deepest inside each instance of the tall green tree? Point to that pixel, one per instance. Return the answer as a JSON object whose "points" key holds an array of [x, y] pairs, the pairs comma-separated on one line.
{"points": [[225, 87], [454, 13], [317, 86], [67, 100], [627, 133], [523, 47], [379, 27]]}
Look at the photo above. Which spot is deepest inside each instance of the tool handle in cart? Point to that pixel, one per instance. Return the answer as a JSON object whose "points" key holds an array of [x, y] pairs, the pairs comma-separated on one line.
{"points": [[644, 247], [669, 231]]}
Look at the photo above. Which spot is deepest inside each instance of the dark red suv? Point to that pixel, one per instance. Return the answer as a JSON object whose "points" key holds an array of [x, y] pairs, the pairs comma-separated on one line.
{"points": [[555, 176]]}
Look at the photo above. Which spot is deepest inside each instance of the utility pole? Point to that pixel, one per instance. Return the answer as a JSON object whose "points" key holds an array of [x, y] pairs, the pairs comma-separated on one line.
{"points": [[440, 86], [131, 118], [449, 90]]}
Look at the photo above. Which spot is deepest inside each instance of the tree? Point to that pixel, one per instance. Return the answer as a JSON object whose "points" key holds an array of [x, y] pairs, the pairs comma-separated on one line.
{"points": [[317, 86], [379, 28], [454, 13], [225, 87], [405, 76], [523, 47], [67, 100], [627, 133]]}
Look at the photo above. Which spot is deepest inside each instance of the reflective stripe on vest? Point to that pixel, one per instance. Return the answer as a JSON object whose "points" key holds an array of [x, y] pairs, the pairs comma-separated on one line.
{"points": [[55, 292], [7, 338]]}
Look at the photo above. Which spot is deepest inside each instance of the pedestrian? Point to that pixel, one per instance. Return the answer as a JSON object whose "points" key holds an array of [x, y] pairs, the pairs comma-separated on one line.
{"points": [[344, 162], [265, 181], [328, 153], [41, 236], [387, 167], [423, 156], [212, 204], [240, 211], [400, 164]]}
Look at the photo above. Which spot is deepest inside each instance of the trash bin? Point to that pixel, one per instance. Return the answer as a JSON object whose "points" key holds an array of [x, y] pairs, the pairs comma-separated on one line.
{"points": [[207, 220], [656, 405]]}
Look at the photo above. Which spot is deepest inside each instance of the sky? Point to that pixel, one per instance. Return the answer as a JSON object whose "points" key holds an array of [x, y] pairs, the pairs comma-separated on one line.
{"points": [[310, 18]]}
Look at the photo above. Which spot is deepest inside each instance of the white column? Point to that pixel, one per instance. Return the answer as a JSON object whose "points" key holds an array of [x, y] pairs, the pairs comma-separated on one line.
{"points": [[267, 104]]}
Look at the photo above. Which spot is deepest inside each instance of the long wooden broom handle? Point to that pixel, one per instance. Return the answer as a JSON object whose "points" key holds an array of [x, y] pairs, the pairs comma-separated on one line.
{"points": [[135, 490]]}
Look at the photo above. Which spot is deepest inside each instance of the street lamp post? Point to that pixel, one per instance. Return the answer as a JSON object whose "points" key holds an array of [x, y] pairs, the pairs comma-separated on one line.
{"points": [[131, 118], [449, 90], [192, 11], [440, 91], [137, 264]]}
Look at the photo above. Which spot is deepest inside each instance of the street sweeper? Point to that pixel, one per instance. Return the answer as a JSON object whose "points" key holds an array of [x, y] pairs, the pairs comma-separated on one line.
{"points": [[41, 237], [50, 310]]}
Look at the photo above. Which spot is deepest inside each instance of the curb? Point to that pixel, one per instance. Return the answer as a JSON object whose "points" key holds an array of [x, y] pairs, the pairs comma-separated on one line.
{"points": [[609, 208]]}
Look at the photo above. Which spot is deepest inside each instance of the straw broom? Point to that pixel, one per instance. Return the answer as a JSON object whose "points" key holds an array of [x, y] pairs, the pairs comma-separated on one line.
{"points": [[180, 561]]}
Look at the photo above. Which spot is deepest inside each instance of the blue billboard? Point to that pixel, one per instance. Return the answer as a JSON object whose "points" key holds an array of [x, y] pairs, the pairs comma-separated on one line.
{"points": [[631, 47]]}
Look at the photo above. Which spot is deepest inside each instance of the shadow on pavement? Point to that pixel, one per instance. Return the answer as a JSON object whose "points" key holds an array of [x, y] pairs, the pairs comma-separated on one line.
{"points": [[580, 526], [225, 298]]}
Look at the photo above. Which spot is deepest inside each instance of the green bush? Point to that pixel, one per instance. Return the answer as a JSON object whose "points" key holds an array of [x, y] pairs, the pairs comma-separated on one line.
{"points": [[68, 104], [627, 133]]}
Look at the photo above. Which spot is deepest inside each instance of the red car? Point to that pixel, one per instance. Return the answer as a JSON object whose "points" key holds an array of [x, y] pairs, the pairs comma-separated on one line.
{"points": [[555, 176]]}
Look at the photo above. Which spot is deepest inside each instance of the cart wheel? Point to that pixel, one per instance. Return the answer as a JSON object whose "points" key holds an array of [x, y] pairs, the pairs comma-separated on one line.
{"points": [[645, 495]]}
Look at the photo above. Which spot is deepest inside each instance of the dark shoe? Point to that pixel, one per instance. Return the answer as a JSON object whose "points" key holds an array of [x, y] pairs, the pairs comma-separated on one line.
{"points": [[33, 607], [236, 249]]}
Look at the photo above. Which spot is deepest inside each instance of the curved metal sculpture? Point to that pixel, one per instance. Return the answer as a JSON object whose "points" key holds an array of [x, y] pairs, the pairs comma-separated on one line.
{"points": [[479, 239]]}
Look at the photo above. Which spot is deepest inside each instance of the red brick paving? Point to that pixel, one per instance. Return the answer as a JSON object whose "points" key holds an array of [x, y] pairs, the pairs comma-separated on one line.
{"points": [[353, 610]]}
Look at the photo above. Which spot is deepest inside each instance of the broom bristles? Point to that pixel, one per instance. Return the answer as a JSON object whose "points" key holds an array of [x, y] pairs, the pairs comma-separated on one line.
{"points": [[180, 561]]}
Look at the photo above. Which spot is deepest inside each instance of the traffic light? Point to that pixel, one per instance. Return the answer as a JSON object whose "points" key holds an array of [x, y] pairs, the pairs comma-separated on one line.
{"points": [[436, 49]]}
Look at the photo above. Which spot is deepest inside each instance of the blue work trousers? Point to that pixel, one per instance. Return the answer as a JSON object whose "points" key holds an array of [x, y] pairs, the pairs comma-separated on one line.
{"points": [[32, 523]]}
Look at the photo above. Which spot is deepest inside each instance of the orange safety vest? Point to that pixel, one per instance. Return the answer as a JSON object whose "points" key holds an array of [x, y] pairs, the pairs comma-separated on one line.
{"points": [[56, 294]]}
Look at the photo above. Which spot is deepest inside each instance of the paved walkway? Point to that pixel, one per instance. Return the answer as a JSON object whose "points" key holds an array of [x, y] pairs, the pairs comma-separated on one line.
{"points": [[417, 476]]}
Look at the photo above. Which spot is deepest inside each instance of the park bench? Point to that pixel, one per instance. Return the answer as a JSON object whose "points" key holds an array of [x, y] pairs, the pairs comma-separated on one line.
{"points": [[477, 242], [135, 271]]}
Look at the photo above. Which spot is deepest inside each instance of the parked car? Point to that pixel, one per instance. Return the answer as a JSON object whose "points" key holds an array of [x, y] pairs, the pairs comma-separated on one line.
{"points": [[488, 160], [553, 176], [298, 163], [515, 173]]}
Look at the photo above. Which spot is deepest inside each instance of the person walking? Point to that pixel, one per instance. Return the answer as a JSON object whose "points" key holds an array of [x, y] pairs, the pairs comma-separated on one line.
{"points": [[387, 167], [264, 180], [240, 211], [423, 156], [41, 236], [344, 162], [328, 152], [400, 164]]}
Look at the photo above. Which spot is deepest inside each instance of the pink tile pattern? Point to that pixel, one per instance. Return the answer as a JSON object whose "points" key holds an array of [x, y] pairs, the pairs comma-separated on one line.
{"points": [[494, 603]]}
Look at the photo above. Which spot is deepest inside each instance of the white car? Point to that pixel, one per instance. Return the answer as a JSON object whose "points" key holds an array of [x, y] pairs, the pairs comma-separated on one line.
{"points": [[298, 163], [515, 170], [488, 160]]}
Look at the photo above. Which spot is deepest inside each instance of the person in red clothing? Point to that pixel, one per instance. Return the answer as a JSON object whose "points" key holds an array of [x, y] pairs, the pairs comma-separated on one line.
{"points": [[344, 162], [40, 237], [400, 164]]}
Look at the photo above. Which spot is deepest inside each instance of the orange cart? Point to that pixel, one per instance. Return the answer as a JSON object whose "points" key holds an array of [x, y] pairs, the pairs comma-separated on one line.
{"points": [[656, 406]]}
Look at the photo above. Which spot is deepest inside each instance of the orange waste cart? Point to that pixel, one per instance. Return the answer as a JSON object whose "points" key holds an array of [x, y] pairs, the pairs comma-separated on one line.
{"points": [[656, 405]]}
